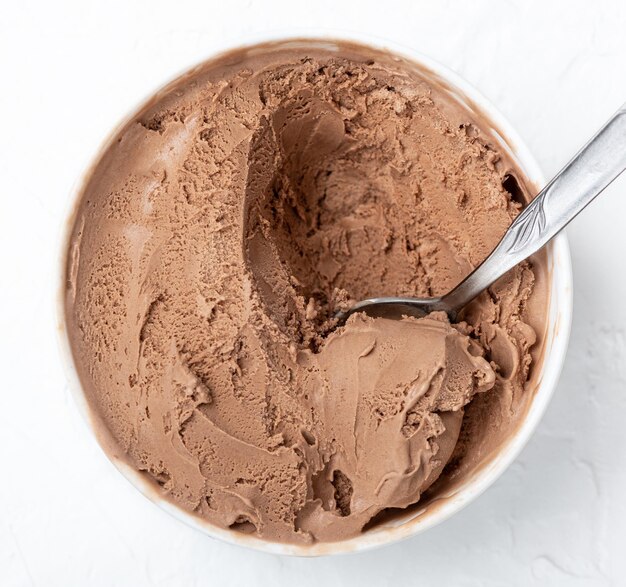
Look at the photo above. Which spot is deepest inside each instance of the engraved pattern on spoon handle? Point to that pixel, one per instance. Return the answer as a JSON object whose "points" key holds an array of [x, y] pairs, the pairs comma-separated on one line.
{"points": [[591, 170]]}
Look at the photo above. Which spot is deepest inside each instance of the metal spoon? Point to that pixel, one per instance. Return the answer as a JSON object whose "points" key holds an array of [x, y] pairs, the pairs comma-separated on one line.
{"points": [[591, 170]]}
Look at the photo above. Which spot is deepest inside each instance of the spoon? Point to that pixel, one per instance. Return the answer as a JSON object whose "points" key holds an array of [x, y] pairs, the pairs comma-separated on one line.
{"points": [[591, 170]]}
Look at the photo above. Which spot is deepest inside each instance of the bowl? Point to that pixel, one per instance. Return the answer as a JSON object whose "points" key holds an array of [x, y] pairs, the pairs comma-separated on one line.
{"points": [[418, 520]]}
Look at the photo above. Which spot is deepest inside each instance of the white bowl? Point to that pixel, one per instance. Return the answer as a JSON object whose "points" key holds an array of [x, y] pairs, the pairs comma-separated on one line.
{"points": [[559, 320]]}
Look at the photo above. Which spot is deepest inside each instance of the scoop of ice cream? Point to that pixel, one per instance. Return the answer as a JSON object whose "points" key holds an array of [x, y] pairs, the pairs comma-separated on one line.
{"points": [[388, 420], [212, 244]]}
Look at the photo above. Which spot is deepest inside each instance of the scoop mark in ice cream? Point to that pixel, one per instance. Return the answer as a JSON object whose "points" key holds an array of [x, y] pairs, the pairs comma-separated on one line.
{"points": [[212, 244]]}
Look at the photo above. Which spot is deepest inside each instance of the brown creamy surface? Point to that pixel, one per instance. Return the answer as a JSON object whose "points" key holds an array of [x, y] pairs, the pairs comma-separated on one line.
{"points": [[214, 240]]}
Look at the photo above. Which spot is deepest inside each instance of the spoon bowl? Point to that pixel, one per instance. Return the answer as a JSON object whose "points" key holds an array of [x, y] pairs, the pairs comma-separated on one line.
{"points": [[393, 307]]}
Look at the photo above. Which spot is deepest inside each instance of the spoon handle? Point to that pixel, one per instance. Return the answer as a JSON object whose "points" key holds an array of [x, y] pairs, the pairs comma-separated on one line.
{"points": [[591, 170]]}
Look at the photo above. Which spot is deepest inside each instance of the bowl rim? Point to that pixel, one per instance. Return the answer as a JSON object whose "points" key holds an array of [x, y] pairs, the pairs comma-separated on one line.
{"points": [[557, 335]]}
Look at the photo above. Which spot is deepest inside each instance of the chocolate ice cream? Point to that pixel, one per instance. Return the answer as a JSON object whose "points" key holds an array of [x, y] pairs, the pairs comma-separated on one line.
{"points": [[216, 237]]}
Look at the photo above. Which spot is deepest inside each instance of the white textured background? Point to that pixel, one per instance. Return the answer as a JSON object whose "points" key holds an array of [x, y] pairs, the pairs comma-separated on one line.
{"points": [[70, 70]]}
